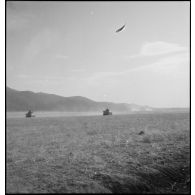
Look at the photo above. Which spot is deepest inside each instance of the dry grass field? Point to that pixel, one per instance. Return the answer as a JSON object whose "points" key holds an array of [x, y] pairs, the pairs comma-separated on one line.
{"points": [[99, 154]]}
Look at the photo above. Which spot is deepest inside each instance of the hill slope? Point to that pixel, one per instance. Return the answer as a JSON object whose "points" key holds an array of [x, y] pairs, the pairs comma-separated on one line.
{"points": [[25, 100]]}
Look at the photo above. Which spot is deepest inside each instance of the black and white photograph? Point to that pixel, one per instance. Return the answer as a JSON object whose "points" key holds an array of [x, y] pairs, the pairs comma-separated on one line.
{"points": [[97, 97]]}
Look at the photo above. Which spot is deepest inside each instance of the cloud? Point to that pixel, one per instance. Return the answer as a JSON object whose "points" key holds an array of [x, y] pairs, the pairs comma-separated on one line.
{"points": [[176, 65], [159, 48]]}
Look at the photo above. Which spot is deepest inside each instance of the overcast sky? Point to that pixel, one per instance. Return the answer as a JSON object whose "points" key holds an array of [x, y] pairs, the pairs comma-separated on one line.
{"points": [[71, 48]]}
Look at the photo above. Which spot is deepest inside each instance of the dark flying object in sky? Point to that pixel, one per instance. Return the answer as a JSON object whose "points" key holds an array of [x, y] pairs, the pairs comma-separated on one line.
{"points": [[120, 29]]}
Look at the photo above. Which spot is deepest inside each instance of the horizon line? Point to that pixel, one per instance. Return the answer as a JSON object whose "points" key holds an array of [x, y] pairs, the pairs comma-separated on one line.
{"points": [[99, 101]]}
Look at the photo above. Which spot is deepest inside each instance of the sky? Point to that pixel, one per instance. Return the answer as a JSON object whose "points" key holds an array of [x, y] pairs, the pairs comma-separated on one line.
{"points": [[72, 49]]}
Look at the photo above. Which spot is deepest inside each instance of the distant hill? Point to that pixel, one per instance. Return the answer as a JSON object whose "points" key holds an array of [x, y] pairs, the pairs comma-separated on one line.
{"points": [[25, 100]]}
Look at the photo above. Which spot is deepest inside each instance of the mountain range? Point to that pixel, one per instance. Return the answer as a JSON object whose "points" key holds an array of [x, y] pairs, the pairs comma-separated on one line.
{"points": [[28, 100], [25, 100]]}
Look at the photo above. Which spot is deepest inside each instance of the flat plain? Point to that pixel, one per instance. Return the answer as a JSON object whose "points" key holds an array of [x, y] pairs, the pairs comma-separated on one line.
{"points": [[135, 153]]}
